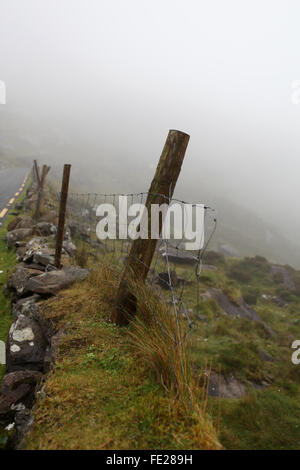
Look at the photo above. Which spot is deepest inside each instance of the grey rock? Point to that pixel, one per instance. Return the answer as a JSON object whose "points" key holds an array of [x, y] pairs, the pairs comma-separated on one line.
{"points": [[52, 350], [36, 267], [24, 419], [165, 281], [16, 235], [17, 386], [46, 228], [222, 386], [69, 247], [285, 275], [24, 306], [18, 280], [43, 258], [238, 310], [51, 282], [30, 307], [37, 245], [26, 345], [179, 257], [280, 302]]}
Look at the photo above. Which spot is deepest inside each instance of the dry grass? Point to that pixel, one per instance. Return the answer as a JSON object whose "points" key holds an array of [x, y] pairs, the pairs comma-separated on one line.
{"points": [[104, 393], [159, 335]]}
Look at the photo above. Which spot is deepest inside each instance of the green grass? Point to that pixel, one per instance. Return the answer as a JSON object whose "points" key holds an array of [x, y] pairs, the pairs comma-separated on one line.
{"points": [[7, 262], [267, 418], [264, 420], [96, 357], [103, 394]]}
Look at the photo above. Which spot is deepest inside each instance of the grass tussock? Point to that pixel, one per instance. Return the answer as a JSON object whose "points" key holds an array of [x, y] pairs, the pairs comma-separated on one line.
{"points": [[159, 335], [106, 391]]}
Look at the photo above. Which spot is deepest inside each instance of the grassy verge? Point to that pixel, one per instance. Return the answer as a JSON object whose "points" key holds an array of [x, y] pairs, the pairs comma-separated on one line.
{"points": [[104, 394], [7, 263], [266, 418]]}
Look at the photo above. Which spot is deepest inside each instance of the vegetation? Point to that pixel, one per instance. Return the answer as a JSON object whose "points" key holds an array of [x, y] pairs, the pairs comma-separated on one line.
{"points": [[122, 371], [7, 262], [268, 416], [113, 388], [145, 386]]}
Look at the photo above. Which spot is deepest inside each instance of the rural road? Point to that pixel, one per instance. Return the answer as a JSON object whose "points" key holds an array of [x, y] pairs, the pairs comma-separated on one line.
{"points": [[11, 183]]}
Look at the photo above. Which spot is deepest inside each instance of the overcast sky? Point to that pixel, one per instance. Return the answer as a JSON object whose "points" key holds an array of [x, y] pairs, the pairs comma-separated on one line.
{"points": [[100, 83]]}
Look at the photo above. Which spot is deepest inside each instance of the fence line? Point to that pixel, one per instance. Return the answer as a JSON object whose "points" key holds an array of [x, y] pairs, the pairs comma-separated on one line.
{"points": [[174, 271]]}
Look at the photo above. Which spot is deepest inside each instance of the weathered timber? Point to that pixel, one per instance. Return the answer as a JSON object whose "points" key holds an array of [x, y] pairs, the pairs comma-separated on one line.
{"points": [[142, 250]]}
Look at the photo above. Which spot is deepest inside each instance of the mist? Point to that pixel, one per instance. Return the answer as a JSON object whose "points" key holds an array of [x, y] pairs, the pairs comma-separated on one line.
{"points": [[99, 83]]}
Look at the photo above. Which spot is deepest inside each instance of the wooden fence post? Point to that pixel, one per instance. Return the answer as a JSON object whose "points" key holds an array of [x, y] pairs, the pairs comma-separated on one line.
{"points": [[62, 214], [142, 251], [37, 174], [41, 182]]}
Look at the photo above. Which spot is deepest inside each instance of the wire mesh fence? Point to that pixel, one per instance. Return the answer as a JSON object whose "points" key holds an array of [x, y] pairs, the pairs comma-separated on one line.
{"points": [[174, 271]]}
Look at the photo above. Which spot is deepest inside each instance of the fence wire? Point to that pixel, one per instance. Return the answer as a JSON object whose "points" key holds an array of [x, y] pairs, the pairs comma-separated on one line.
{"points": [[174, 271]]}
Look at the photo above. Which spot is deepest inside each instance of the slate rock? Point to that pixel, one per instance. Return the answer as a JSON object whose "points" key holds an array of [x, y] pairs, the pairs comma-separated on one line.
{"points": [[225, 386], [19, 280], [51, 282], [17, 386], [15, 235], [26, 345], [24, 306], [69, 247], [46, 228], [43, 258]]}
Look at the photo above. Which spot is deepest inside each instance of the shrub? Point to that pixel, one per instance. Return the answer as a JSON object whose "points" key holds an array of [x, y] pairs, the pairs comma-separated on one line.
{"points": [[212, 257], [251, 296], [237, 273]]}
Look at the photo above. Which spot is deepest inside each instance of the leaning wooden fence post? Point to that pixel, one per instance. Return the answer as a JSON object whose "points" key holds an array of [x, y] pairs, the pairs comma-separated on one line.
{"points": [[62, 214], [142, 251]]}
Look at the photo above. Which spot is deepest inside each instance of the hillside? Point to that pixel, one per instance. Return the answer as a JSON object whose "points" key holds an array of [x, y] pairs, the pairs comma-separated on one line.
{"points": [[124, 386]]}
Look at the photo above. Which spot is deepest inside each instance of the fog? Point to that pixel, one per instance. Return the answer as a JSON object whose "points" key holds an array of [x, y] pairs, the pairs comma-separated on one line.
{"points": [[99, 83]]}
